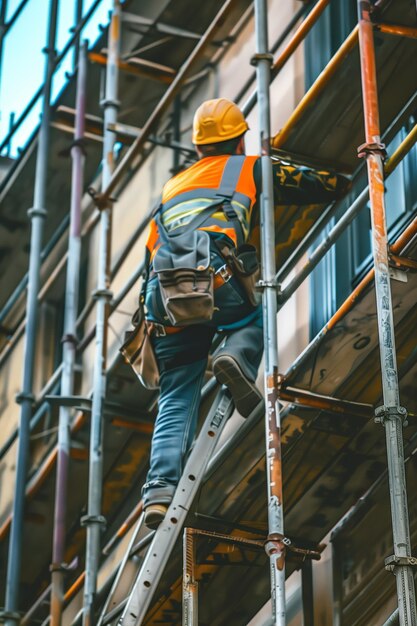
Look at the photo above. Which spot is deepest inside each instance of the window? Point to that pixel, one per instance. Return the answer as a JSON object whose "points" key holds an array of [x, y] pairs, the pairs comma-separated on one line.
{"points": [[349, 260]]}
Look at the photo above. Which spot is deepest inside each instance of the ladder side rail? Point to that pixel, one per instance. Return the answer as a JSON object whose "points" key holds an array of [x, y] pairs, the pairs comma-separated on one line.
{"points": [[167, 533]]}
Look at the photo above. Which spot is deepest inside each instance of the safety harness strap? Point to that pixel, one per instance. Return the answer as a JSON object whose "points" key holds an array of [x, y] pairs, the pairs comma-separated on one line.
{"points": [[223, 198], [230, 177]]}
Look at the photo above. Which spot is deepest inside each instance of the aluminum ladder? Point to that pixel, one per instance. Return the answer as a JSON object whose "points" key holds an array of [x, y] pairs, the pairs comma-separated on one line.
{"points": [[137, 579]]}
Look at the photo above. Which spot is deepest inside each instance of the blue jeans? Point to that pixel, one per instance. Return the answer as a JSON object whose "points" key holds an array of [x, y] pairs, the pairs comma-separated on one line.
{"points": [[182, 361]]}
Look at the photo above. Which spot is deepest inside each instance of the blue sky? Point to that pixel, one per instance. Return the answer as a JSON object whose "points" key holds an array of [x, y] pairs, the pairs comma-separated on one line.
{"points": [[23, 61]]}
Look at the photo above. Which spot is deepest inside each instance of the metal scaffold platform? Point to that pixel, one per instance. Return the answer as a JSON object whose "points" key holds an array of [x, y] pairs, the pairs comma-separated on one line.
{"points": [[334, 455]]}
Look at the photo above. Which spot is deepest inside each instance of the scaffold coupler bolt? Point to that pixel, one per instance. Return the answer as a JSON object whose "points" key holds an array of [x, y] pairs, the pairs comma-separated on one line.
{"points": [[276, 543], [391, 562], [266, 284], [383, 413], [262, 57], [89, 520], [365, 149]]}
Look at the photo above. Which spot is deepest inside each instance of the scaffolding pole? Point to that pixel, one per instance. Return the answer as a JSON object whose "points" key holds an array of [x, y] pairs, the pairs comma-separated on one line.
{"points": [[94, 521], [390, 414], [37, 215], [69, 344], [275, 547]]}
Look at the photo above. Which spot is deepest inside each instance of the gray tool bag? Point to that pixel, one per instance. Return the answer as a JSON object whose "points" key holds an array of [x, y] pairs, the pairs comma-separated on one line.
{"points": [[182, 262]]}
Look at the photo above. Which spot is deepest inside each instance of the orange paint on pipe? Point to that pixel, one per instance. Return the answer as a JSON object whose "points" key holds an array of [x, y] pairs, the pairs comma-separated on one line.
{"points": [[315, 90], [75, 587], [397, 29], [299, 36]]}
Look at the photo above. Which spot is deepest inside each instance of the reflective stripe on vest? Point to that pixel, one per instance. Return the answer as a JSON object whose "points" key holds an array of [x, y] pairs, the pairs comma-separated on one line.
{"points": [[191, 191]]}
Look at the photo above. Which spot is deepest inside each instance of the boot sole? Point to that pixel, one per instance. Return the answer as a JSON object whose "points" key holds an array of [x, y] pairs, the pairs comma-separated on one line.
{"points": [[245, 394], [154, 515]]}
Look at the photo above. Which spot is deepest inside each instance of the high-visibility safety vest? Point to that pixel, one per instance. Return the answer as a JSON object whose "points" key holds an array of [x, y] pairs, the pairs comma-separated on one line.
{"points": [[192, 191]]}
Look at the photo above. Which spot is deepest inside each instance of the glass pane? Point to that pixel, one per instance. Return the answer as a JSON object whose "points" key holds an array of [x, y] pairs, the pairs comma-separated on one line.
{"points": [[394, 185]]}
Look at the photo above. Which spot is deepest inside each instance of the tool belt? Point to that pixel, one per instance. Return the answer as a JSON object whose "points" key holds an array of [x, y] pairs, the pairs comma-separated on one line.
{"points": [[137, 347]]}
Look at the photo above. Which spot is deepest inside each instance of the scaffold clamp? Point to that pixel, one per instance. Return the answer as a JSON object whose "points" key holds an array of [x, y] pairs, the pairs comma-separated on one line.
{"points": [[63, 567], [23, 396], [37, 212], [391, 562], [69, 338], [276, 543], [262, 57], [12, 615], [102, 293], [366, 149], [266, 284], [382, 413], [100, 200], [88, 520]]}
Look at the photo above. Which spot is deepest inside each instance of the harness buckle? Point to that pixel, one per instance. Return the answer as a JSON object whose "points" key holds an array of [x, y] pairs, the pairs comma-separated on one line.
{"points": [[159, 330], [224, 273]]}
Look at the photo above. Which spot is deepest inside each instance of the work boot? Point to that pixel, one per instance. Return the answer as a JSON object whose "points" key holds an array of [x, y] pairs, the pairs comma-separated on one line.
{"points": [[236, 366], [154, 514]]}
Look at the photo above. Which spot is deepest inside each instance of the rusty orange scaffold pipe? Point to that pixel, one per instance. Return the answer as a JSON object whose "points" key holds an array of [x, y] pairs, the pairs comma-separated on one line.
{"points": [[316, 89], [299, 35], [390, 414], [397, 29], [124, 528], [403, 149]]}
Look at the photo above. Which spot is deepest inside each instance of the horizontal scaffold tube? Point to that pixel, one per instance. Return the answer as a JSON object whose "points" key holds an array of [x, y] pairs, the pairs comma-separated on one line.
{"points": [[317, 87]]}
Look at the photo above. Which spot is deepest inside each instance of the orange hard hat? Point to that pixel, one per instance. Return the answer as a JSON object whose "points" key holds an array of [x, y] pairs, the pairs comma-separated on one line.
{"points": [[218, 120]]}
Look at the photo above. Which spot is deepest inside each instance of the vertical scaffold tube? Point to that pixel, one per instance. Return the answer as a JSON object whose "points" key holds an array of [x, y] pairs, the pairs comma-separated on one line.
{"points": [[275, 547], [391, 414], [37, 215], [94, 520], [69, 344]]}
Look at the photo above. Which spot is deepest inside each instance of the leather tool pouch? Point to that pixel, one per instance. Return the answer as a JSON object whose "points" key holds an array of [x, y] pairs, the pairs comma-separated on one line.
{"points": [[138, 351], [244, 263], [182, 264]]}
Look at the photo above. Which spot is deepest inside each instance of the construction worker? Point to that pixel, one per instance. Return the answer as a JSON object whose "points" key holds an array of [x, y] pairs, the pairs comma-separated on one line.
{"points": [[222, 170]]}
